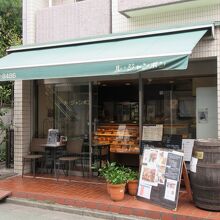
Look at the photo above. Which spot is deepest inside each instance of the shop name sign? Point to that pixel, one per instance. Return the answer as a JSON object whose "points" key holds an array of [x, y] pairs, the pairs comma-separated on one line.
{"points": [[143, 66], [8, 76]]}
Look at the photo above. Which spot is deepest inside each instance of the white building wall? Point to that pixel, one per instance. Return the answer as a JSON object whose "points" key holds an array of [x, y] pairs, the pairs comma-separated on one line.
{"points": [[22, 89], [30, 7], [120, 23], [22, 121], [23, 96], [205, 49], [69, 21]]}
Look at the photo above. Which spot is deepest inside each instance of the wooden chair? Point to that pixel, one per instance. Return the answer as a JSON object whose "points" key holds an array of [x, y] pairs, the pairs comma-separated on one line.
{"points": [[36, 153], [73, 153]]}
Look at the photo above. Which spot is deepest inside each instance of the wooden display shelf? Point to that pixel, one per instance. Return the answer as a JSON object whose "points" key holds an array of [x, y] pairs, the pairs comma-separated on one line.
{"points": [[118, 137], [124, 151], [115, 135]]}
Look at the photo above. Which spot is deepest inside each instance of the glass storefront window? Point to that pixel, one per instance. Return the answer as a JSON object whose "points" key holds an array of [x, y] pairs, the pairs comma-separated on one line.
{"points": [[172, 104], [64, 107]]}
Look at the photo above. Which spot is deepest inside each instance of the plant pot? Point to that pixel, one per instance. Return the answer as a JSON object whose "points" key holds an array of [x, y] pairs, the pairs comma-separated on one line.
{"points": [[117, 191], [132, 187]]}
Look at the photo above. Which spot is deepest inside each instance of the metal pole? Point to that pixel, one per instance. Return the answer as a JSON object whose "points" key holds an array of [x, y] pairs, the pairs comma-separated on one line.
{"points": [[90, 128], [140, 107], [171, 112]]}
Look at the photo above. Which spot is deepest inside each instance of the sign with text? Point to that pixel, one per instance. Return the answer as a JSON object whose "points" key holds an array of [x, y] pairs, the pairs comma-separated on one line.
{"points": [[152, 133], [160, 176]]}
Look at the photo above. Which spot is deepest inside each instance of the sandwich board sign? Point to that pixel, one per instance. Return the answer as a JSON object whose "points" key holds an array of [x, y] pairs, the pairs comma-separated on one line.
{"points": [[160, 176]]}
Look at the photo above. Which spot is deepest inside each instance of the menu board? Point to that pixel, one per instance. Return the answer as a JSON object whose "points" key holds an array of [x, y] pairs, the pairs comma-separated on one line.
{"points": [[187, 147], [160, 176], [53, 135], [152, 133]]}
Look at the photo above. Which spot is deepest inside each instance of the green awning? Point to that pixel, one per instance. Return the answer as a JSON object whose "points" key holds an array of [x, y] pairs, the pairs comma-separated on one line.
{"points": [[168, 51]]}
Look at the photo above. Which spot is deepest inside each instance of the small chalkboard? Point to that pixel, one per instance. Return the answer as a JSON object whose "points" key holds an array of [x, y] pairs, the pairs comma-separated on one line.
{"points": [[53, 136], [173, 141], [160, 176]]}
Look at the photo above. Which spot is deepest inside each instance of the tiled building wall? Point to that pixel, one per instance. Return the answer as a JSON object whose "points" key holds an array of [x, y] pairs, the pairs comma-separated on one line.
{"points": [[22, 121], [22, 89], [129, 4], [181, 17], [69, 21], [30, 7], [206, 48], [62, 2]]}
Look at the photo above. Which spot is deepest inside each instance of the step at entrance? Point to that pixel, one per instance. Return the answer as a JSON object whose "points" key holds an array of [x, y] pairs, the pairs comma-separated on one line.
{"points": [[4, 194]]}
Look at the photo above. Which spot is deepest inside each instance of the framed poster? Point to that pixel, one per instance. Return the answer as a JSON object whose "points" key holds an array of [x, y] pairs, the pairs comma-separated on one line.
{"points": [[52, 136], [160, 176]]}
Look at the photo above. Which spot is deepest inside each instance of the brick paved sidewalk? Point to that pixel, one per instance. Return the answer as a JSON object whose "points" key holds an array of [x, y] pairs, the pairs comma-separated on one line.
{"points": [[90, 193]]}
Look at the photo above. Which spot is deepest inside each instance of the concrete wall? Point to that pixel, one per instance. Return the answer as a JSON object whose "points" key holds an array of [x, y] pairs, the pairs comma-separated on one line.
{"points": [[68, 21]]}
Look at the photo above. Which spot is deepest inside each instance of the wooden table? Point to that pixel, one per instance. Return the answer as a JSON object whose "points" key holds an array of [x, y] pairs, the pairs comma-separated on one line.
{"points": [[53, 149]]}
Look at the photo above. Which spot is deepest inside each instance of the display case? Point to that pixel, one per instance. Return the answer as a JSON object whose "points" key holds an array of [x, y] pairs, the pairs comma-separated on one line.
{"points": [[122, 138]]}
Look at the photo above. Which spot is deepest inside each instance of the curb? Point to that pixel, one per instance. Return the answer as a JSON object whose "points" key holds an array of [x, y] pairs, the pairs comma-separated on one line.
{"points": [[72, 210]]}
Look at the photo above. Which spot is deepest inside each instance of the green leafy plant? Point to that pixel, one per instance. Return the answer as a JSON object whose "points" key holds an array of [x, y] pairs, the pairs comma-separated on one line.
{"points": [[132, 174], [2, 153], [113, 173]]}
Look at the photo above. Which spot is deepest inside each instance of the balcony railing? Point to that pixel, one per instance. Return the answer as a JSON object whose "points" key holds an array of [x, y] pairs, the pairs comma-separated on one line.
{"points": [[73, 20]]}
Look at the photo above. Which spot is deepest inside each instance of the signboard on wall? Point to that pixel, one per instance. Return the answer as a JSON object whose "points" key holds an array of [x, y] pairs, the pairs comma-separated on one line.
{"points": [[160, 176]]}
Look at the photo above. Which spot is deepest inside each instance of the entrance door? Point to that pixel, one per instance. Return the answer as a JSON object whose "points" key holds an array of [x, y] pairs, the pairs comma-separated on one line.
{"points": [[72, 110]]}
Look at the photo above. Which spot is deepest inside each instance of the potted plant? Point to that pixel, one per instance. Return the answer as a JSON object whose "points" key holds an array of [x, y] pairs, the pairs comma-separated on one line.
{"points": [[132, 182], [116, 178], [105, 171]]}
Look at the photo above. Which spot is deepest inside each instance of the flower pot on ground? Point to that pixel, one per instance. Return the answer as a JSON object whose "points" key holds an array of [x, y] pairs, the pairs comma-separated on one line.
{"points": [[117, 191], [116, 178], [132, 187], [132, 182], [105, 172]]}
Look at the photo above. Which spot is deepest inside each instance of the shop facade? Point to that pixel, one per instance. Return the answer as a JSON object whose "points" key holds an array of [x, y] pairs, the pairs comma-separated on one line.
{"points": [[180, 93]]}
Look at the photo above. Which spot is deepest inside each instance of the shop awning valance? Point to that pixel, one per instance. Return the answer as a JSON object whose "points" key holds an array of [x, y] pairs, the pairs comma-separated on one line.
{"points": [[166, 51]]}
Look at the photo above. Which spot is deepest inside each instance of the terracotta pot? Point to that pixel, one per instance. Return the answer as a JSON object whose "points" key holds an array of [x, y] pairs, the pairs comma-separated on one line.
{"points": [[132, 187], [117, 191]]}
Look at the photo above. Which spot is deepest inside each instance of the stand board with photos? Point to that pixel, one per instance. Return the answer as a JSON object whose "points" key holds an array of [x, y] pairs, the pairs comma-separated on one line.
{"points": [[160, 176]]}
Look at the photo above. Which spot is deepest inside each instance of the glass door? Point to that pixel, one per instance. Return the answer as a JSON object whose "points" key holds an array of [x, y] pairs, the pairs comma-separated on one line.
{"points": [[72, 110]]}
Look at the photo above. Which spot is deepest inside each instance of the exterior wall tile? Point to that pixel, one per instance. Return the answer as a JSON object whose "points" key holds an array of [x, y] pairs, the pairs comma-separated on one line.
{"points": [[124, 5], [42, 24], [82, 19], [22, 119], [156, 21]]}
